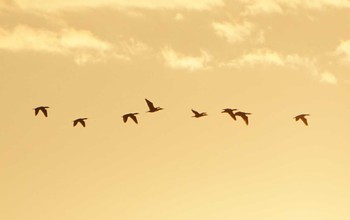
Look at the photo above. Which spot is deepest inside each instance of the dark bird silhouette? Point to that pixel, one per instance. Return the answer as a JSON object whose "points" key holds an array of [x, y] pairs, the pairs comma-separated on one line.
{"points": [[302, 117], [79, 120], [230, 111], [151, 107], [130, 115], [197, 114], [42, 109], [244, 116]]}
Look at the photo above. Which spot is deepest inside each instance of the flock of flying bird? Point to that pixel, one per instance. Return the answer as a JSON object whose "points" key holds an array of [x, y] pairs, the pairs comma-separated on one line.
{"points": [[231, 112]]}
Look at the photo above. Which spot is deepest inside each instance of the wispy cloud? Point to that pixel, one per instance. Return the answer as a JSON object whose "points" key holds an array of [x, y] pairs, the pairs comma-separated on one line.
{"points": [[133, 47], [328, 77], [83, 45], [179, 61], [343, 50], [266, 57], [254, 7], [233, 32], [54, 5], [179, 17]]}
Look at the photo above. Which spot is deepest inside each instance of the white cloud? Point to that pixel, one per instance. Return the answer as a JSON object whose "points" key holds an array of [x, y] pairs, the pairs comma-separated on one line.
{"points": [[179, 17], [327, 77], [263, 7], [133, 47], [81, 44], [344, 50], [54, 5], [233, 32], [265, 57], [179, 61], [268, 57], [255, 7]]}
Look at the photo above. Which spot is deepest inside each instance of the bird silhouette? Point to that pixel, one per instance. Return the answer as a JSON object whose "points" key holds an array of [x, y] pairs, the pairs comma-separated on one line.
{"points": [[244, 116], [79, 120], [197, 114], [151, 107], [302, 117], [230, 111], [42, 109], [130, 115]]}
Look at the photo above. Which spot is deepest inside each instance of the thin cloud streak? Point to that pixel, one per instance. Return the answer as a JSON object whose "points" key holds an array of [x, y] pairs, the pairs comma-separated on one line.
{"points": [[57, 5], [343, 50], [233, 32], [265, 57], [176, 60], [83, 45], [257, 7]]}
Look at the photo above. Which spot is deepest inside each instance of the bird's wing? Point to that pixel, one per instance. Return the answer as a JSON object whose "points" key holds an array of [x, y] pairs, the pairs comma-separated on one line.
{"points": [[44, 111], [75, 123], [125, 118], [195, 112], [305, 121], [245, 118], [149, 104], [134, 118], [36, 111], [232, 114], [82, 122]]}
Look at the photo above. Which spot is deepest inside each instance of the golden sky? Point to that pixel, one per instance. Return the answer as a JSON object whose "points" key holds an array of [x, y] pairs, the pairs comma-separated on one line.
{"points": [[101, 58]]}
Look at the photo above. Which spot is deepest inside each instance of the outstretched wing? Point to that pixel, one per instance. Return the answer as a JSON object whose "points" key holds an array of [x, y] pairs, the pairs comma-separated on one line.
{"points": [[245, 118], [195, 112], [125, 118], [82, 122], [44, 111], [149, 104], [36, 111], [133, 117], [232, 114], [304, 120], [75, 123]]}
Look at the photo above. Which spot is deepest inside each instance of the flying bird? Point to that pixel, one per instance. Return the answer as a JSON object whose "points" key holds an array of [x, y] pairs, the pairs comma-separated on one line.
{"points": [[244, 116], [302, 117], [42, 109], [130, 115], [230, 111], [151, 107], [197, 114], [79, 120]]}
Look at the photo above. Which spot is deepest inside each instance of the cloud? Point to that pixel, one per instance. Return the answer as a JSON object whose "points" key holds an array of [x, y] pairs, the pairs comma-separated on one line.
{"points": [[54, 5], [179, 17], [268, 57], [179, 61], [327, 77], [133, 47], [233, 32], [343, 50], [254, 7], [81, 44]]}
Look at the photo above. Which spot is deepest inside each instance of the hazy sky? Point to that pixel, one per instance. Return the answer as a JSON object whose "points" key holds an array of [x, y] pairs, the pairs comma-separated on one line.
{"points": [[101, 58]]}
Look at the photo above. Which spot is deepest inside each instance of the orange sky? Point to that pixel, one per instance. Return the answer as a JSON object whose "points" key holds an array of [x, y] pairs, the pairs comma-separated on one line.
{"points": [[101, 59]]}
